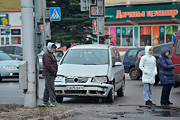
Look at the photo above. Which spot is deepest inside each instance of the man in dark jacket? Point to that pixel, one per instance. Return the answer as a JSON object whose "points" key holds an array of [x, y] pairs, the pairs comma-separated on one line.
{"points": [[166, 75], [49, 72]]}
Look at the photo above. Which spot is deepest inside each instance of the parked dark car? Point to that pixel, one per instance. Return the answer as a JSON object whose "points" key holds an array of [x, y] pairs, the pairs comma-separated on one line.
{"points": [[156, 54], [15, 51], [130, 58], [58, 54]]}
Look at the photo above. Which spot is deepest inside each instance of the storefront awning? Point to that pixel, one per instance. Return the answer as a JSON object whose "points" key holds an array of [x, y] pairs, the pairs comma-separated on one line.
{"points": [[137, 15], [121, 2]]}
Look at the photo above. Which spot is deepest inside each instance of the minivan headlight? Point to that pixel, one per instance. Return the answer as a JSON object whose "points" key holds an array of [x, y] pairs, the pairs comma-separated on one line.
{"points": [[99, 80], [60, 79]]}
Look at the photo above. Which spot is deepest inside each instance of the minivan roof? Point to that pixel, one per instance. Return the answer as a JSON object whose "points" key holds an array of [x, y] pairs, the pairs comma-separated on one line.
{"points": [[91, 46]]}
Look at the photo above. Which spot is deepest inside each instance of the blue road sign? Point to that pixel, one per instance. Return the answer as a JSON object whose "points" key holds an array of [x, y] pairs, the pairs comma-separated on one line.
{"points": [[55, 14], [8, 28]]}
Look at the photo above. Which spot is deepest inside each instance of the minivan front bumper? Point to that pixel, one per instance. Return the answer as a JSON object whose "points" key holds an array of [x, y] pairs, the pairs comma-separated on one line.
{"points": [[83, 89]]}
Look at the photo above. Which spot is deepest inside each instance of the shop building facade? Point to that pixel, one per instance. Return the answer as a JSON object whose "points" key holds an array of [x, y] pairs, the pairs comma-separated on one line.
{"points": [[10, 13], [139, 25]]}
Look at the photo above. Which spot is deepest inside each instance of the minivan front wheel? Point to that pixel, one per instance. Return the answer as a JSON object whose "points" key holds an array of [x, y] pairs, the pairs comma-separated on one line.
{"points": [[120, 92], [133, 74], [111, 95]]}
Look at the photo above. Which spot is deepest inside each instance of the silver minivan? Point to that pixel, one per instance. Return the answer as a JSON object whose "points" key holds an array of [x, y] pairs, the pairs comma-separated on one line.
{"points": [[90, 71]]}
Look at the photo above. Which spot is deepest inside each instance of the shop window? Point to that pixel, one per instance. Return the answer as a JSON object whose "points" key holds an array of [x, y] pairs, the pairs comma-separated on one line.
{"points": [[127, 36], [136, 34], [158, 35], [145, 35], [3, 31], [7, 40], [115, 36], [15, 31], [118, 36], [2, 41], [15, 40], [170, 30]]}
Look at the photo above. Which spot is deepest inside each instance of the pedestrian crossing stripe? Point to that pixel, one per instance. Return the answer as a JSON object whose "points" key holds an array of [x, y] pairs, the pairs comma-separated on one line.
{"points": [[55, 15]]}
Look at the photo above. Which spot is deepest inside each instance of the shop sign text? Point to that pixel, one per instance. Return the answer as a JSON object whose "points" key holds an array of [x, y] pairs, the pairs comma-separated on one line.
{"points": [[154, 13]]}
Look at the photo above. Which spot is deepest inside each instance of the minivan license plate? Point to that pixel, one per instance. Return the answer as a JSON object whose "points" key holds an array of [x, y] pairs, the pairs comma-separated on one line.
{"points": [[75, 87]]}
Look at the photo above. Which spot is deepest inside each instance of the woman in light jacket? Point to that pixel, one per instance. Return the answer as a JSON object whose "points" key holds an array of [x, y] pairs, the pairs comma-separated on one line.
{"points": [[166, 75], [149, 70]]}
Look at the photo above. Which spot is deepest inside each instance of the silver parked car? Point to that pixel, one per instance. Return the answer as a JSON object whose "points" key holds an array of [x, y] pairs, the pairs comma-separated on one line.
{"points": [[8, 66], [90, 71], [15, 51]]}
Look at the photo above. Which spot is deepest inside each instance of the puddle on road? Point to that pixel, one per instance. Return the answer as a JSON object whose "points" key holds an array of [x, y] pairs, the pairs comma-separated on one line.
{"points": [[161, 111]]}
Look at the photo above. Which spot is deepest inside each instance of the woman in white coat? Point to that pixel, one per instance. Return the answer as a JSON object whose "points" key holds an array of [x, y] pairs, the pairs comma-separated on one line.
{"points": [[149, 70]]}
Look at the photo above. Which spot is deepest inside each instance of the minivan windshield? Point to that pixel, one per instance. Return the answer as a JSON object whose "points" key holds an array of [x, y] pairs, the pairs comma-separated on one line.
{"points": [[86, 57]]}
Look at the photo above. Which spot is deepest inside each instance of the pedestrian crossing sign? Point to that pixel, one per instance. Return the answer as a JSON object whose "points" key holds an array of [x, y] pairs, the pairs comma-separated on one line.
{"points": [[55, 14]]}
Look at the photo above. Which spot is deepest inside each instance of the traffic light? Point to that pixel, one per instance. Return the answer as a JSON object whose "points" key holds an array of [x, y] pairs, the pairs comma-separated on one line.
{"points": [[95, 39], [97, 10], [85, 5], [95, 26]]}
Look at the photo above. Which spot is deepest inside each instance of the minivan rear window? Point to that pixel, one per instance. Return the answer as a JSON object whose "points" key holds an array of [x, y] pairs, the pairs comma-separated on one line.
{"points": [[177, 49]]}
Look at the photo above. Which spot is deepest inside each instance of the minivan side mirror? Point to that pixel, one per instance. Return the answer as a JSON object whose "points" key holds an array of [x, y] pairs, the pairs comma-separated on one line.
{"points": [[118, 64]]}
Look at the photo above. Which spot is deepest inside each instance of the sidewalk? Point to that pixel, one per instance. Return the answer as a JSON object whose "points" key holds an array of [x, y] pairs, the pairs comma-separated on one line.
{"points": [[127, 75], [18, 112]]}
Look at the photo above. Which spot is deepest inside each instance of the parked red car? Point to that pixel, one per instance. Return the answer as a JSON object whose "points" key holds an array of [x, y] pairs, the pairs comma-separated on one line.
{"points": [[176, 59]]}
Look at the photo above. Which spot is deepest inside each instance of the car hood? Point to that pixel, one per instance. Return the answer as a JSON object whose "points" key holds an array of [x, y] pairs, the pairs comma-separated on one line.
{"points": [[10, 62], [72, 70]]}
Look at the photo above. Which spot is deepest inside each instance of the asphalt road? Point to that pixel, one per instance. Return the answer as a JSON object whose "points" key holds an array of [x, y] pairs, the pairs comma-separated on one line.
{"points": [[129, 107]]}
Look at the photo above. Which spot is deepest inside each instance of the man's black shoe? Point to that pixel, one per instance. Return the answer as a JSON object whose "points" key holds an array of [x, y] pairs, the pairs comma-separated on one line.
{"points": [[152, 103], [149, 103], [170, 103]]}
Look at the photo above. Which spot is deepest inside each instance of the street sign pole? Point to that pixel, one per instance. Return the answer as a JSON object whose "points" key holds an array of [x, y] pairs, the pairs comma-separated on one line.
{"points": [[98, 31], [97, 11]]}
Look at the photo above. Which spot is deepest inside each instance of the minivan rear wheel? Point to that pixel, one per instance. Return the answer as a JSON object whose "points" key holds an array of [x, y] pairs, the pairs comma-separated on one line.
{"points": [[133, 74]]}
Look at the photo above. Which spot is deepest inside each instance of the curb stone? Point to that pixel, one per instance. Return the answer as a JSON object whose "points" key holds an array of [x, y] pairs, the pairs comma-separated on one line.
{"points": [[66, 114]]}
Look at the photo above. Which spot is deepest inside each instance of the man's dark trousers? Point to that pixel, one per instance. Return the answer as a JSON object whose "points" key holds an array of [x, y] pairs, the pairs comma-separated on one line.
{"points": [[49, 91]]}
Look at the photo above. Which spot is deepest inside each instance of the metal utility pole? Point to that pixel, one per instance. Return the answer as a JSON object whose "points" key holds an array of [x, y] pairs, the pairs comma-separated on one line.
{"points": [[44, 22], [28, 51]]}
